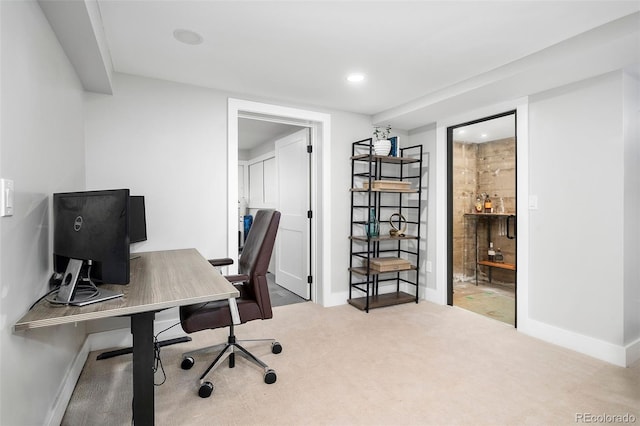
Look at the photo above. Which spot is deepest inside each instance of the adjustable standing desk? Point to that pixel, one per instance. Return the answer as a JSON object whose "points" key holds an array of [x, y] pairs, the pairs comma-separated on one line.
{"points": [[159, 280]]}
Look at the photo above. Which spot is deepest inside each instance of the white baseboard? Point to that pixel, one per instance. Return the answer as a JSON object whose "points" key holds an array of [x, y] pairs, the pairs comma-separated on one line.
{"points": [[605, 351], [433, 295], [633, 352], [68, 385], [336, 299]]}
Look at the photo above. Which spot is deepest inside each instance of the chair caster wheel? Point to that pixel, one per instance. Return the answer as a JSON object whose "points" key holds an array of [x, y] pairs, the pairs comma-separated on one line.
{"points": [[206, 389], [276, 347], [187, 363], [270, 377]]}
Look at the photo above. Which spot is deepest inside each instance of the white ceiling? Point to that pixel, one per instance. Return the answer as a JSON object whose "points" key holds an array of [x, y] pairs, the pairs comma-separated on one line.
{"points": [[252, 133], [300, 52], [487, 131]]}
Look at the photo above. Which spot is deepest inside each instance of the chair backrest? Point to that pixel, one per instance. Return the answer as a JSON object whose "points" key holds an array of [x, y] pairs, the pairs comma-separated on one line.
{"points": [[256, 254]]}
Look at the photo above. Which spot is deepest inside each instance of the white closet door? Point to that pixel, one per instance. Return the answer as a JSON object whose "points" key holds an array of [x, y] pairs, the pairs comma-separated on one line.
{"points": [[292, 244]]}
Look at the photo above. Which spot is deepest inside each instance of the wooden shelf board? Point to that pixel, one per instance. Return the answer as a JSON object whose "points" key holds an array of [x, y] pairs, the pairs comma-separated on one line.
{"points": [[385, 158], [361, 270], [408, 191], [382, 300], [488, 214], [383, 238], [509, 266]]}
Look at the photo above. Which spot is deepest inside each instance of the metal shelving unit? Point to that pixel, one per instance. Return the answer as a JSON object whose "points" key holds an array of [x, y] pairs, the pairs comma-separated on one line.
{"points": [[510, 220], [368, 287]]}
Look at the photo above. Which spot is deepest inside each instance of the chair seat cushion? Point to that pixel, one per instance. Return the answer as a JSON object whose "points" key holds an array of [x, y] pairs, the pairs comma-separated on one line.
{"points": [[216, 314]]}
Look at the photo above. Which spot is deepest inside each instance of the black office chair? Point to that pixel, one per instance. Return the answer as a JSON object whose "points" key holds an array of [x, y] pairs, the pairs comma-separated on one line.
{"points": [[254, 302]]}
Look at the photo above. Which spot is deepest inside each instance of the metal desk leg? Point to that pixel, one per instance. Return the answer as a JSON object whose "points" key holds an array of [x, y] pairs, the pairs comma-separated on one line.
{"points": [[143, 357]]}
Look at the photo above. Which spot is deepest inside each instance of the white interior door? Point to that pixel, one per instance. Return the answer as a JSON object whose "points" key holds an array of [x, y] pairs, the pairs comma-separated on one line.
{"points": [[292, 244]]}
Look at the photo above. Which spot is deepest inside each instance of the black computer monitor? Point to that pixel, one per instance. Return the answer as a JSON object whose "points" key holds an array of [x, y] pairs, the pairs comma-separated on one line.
{"points": [[91, 238], [137, 219]]}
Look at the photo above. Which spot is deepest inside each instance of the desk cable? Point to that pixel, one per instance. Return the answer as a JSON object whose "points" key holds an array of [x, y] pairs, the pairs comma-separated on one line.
{"points": [[156, 350]]}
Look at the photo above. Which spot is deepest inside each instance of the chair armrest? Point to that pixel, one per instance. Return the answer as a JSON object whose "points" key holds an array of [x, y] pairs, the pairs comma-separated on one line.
{"points": [[221, 262], [237, 278]]}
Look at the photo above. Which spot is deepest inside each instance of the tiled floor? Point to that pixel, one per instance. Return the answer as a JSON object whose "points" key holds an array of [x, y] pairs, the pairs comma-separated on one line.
{"points": [[495, 301], [279, 295]]}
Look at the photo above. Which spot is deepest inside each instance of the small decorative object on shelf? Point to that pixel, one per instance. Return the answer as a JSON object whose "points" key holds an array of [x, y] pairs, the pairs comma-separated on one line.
{"points": [[382, 145], [397, 231], [478, 204], [498, 257], [487, 205], [373, 226], [394, 146]]}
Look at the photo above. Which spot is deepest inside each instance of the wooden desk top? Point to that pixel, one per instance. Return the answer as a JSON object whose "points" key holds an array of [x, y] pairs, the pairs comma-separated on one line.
{"points": [[159, 280]]}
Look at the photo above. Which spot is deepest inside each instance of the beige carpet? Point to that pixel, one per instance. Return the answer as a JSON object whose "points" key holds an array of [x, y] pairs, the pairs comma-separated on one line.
{"points": [[413, 364]]}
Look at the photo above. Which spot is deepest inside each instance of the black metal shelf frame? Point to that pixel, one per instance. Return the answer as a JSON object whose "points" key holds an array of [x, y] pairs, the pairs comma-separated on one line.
{"points": [[362, 250]]}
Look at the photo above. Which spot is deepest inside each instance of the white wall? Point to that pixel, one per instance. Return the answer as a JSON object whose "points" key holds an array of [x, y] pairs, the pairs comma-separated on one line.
{"points": [[346, 128], [583, 288], [427, 137], [167, 141], [631, 129], [576, 282], [42, 150]]}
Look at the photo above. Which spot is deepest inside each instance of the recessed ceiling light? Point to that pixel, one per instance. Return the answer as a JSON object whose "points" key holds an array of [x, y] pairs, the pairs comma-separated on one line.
{"points": [[461, 131], [355, 78], [484, 135], [187, 36]]}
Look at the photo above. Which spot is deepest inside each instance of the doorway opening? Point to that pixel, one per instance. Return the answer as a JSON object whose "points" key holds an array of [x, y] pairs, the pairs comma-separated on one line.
{"points": [[274, 173], [482, 259], [315, 263]]}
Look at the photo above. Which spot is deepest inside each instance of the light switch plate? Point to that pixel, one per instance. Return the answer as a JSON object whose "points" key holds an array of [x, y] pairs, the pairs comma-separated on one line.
{"points": [[533, 202], [6, 197]]}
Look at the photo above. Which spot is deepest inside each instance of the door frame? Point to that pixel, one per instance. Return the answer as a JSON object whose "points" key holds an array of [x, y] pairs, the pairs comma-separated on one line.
{"points": [[320, 125], [450, 209], [439, 294]]}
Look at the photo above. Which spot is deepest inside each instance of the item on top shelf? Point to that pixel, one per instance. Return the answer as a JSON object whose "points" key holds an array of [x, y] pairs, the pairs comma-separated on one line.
{"points": [[372, 226], [382, 145], [487, 204], [386, 264], [394, 185], [491, 252], [500, 206], [397, 231], [381, 134], [498, 256], [394, 146]]}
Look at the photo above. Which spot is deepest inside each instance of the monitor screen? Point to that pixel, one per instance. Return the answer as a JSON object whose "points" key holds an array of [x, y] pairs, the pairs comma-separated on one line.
{"points": [[137, 219], [93, 225]]}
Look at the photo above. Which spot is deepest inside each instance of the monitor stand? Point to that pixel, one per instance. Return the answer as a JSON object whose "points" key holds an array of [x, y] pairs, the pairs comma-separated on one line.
{"points": [[71, 294]]}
